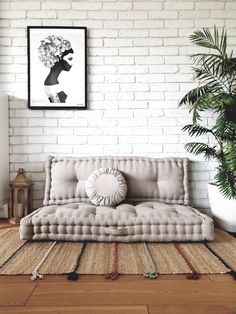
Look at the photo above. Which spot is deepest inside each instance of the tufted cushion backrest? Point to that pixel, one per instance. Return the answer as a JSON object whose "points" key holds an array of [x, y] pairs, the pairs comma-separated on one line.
{"points": [[147, 179]]}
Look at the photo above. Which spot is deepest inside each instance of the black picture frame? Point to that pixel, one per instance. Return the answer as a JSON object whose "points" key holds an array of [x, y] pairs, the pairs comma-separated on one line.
{"points": [[57, 67]]}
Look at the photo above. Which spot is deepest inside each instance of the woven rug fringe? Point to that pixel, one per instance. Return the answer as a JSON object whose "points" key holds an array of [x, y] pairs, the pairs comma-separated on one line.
{"points": [[73, 275], [194, 274], [153, 273], [35, 274], [115, 274], [233, 274]]}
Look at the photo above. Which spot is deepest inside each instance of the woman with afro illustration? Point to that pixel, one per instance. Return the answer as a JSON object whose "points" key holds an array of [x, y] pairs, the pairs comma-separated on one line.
{"points": [[56, 53]]}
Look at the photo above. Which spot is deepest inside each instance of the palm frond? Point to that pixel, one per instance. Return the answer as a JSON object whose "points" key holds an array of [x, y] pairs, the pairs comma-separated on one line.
{"points": [[226, 182], [205, 102], [201, 149], [215, 77], [193, 95], [229, 150], [196, 130], [225, 129], [209, 58], [223, 40], [204, 39]]}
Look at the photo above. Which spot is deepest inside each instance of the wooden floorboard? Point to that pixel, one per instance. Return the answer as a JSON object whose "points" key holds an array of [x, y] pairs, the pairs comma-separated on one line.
{"points": [[14, 279], [189, 309], [15, 294], [6, 226], [128, 293], [78, 309], [220, 278]]}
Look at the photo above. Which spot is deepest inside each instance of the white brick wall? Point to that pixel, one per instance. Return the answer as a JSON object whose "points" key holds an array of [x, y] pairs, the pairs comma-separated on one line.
{"points": [[138, 69]]}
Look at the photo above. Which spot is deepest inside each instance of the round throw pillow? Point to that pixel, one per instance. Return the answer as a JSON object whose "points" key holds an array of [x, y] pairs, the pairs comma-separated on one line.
{"points": [[106, 187]]}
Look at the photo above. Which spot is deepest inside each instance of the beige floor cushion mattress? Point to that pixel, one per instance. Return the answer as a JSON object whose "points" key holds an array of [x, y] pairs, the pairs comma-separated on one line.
{"points": [[147, 221], [156, 207]]}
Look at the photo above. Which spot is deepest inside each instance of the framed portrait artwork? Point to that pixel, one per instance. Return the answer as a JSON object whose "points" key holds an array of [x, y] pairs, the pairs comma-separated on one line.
{"points": [[57, 67]]}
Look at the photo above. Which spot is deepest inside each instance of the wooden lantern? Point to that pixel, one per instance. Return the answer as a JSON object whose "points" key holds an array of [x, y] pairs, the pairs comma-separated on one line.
{"points": [[20, 196]]}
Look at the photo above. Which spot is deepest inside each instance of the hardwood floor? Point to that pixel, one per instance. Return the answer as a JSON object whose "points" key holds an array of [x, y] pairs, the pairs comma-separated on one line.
{"points": [[127, 295], [169, 294], [4, 223]]}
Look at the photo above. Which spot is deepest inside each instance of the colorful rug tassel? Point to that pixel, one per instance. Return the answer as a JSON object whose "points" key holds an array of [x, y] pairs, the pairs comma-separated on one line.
{"points": [[73, 275], [231, 272], [194, 274], [115, 274], [35, 274], [153, 274]]}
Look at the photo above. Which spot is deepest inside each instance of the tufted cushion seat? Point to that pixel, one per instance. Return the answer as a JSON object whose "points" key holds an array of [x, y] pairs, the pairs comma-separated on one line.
{"points": [[146, 221], [155, 207]]}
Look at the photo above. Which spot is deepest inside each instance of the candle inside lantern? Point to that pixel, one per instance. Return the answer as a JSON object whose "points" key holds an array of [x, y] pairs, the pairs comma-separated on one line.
{"points": [[20, 194], [20, 210]]}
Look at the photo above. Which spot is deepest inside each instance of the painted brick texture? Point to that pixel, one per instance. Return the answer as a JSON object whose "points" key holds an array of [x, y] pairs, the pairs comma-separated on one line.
{"points": [[138, 69]]}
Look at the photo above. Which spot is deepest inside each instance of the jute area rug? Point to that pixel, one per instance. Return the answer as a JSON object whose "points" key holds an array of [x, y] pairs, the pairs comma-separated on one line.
{"points": [[19, 257]]}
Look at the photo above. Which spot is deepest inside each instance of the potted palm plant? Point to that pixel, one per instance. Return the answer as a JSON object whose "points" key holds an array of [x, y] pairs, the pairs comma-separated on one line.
{"points": [[215, 73]]}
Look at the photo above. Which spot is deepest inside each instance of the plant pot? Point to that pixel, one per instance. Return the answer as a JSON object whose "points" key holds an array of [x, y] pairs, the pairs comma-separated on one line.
{"points": [[223, 209]]}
